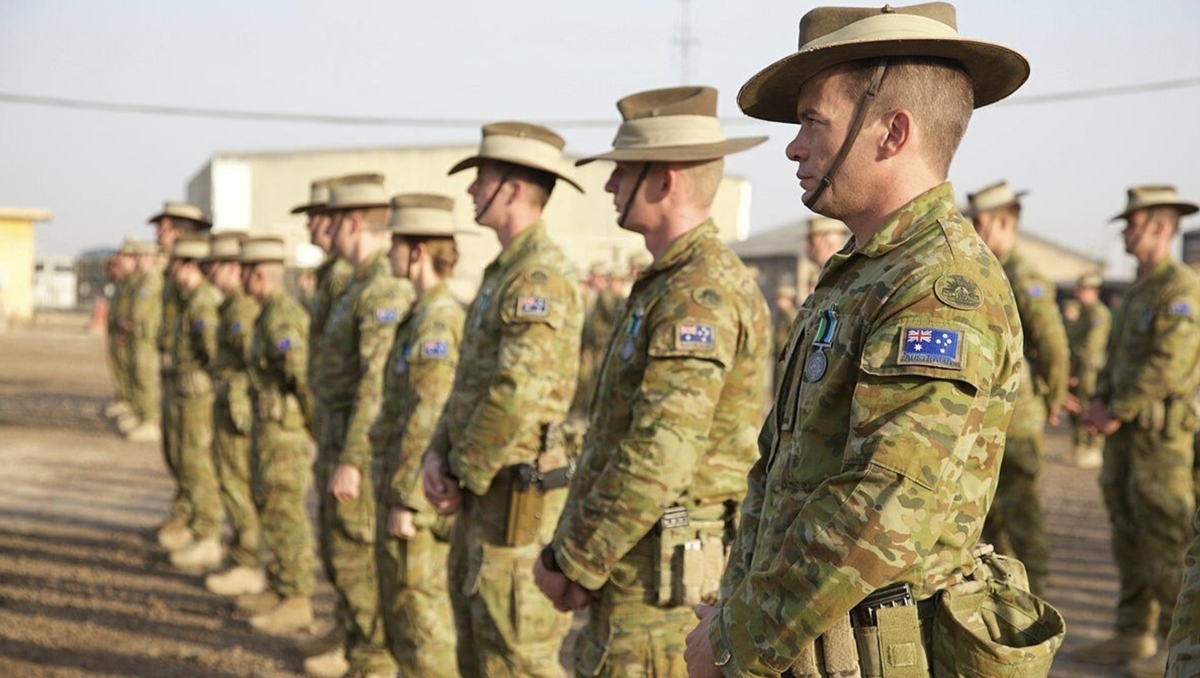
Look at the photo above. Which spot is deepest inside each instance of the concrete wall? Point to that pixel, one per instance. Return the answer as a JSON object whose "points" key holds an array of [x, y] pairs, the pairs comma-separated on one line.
{"points": [[16, 270]]}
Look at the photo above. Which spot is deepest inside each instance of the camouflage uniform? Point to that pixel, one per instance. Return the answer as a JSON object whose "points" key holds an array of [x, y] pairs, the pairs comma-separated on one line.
{"points": [[519, 370], [1152, 374], [1089, 342], [354, 347], [232, 419], [683, 401], [1014, 525], [193, 349], [334, 276], [880, 467], [781, 329], [181, 506], [281, 472], [118, 332], [597, 328], [143, 318], [413, 585]]}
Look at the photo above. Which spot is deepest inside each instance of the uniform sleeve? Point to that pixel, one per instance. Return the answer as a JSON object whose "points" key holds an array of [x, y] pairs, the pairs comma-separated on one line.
{"points": [[432, 360], [246, 316], [1172, 354], [690, 351], [914, 419], [534, 308], [207, 327], [741, 552], [1095, 341], [1046, 339], [377, 315], [288, 344]]}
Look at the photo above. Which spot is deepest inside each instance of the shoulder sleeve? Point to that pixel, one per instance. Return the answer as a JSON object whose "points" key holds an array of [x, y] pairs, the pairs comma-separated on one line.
{"points": [[537, 295], [696, 322]]}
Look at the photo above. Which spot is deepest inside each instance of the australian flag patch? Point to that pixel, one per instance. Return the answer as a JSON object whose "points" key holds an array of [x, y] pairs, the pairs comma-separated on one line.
{"points": [[283, 345], [386, 315], [936, 346], [1180, 307], [532, 307], [694, 337], [435, 350], [235, 328]]}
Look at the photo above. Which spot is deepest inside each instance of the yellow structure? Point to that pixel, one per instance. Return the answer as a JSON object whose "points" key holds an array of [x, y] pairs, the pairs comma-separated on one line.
{"points": [[16, 262]]}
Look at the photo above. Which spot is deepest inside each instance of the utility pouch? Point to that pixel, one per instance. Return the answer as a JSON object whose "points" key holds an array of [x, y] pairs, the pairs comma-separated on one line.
{"points": [[691, 558], [525, 505], [834, 654], [887, 630]]}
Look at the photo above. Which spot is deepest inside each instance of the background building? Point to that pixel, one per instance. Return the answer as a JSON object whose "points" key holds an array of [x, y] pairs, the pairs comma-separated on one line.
{"points": [[16, 262], [255, 191], [55, 283]]}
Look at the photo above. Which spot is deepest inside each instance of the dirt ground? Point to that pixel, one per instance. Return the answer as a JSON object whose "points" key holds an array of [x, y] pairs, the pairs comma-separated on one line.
{"points": [[85, 592]]}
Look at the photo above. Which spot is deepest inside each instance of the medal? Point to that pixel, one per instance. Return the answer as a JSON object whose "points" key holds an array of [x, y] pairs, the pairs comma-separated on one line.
{"points": [[631, 331], [484, 298], [627, 349], [818, 362]]}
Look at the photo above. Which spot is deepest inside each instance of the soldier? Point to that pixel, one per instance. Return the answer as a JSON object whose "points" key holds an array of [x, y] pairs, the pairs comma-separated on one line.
{"points": [[354, 347], [666, 455], [878, 463], [500, 433], [232, 418], [597, 328], [282, 407], [412, 541], [823, 237], [175, 220], [1089, 344], [785, 316], [1143, 403], [193, 350], [1014, 525], [120, 271], [143, 317]]}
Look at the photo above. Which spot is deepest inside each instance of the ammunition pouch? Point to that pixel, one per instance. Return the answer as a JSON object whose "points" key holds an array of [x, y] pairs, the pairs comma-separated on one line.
{"points": [[691, 556]]}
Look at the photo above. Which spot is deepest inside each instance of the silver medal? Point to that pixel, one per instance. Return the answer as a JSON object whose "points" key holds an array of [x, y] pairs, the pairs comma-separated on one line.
{"points": [[814, 369], [627, 349]]}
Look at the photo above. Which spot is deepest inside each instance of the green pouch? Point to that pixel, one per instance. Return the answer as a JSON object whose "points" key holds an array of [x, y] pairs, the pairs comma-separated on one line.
{"points": [[993, 629]]}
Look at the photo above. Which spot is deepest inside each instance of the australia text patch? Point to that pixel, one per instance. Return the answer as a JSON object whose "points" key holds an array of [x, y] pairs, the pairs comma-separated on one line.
{"points": [[532, 307], [434, 349], [694, 337], [386, 315], [936, 346]]}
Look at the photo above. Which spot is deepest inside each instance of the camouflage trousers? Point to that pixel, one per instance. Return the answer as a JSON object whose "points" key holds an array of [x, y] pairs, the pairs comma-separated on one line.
{"points": [[231, 451], [144, 381], [1084, 390], [1183, 642], [506, 627], [191, 437], [1147, 486], [415, 600], [119, 367], [1014, 523], [347, 546], [282, 474]]}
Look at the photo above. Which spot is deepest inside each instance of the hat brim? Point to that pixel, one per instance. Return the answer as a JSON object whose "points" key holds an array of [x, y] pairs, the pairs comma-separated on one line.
{"points": [[474, 161], [690, 153], [996, 71], [1185, 208], [356, 206], [310, 208], [970, 212], [431, 233], [159, 217]]}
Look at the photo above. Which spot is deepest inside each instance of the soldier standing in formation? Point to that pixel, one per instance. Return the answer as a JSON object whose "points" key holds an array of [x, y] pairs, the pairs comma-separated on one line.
{"points": [[354, 345], [1088, 338], [879, 460], [120, 272], [232, 419], [602, 307], [1014, 525], [412, 540], [1144, 405], [643, 537], [497, 458], [785, 316], [822, 239], [143, 321]]}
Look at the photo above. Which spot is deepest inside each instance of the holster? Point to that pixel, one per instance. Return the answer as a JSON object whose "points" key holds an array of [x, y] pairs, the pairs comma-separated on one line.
{"points": [[528, 487]]}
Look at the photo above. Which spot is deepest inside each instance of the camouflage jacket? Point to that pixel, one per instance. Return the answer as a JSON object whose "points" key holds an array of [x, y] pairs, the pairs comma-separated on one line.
{"points": [[520, 362], [1154, 352], [782, 328], [238, 312], [354, 348], [419, 377], [601, 318], [334, 276], [1046, 372], [170, 316], [1088, 338], [879, 460], [145, 310], [194, 346], [682, 381], [278, 363], [117, 309]]}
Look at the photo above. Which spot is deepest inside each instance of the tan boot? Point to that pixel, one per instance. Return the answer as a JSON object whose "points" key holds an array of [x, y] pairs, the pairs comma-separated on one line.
{"points": [[332, 664], [1118, 649], [175, 535], [332, 639], [202, 556], [237, 581], [116, 409], [145, 432], [253, 604], [1090, 457], [1151, 667], [293, 615]]}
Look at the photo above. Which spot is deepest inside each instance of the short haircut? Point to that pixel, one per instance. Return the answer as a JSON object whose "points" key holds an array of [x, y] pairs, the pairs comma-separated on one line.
{"points": [[540, 183], [703, 178], [938, 92], [1166, 213], [442, 249]]}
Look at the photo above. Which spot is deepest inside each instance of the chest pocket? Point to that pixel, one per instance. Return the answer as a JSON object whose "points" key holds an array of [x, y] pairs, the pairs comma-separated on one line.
{"points": [[827, 372]]}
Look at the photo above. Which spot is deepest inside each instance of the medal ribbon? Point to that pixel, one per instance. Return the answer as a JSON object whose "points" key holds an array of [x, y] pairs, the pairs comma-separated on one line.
{"points": [[826, 329]]}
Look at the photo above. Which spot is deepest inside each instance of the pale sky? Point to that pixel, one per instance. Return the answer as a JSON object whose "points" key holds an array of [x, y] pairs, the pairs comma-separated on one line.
{"points": [[104, 173]]}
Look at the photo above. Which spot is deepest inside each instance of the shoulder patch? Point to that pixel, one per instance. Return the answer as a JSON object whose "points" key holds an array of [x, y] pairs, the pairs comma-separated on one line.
{"points": [[435, 350], [283, 345], [708, 297], [538, 277], [386, 315], [694, 337], [532, 306], [1035, 291], [936, 346], [235, 328], [198, 324], [1179, 307], [958, 291]]}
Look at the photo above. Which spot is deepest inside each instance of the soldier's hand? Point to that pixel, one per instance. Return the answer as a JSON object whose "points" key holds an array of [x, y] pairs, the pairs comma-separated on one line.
{"points": [[553, 585], [699, 653], [402, 523], [1052, 415], [440, 490], [345, 483], [1072, 404]]}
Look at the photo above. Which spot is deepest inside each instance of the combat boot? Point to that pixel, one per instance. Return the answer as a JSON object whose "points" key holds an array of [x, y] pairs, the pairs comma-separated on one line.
{"points": [[175, 535], [332, 664], [116, 409], [1118, 649], [332, 639], [1151, 667], [202, 556], [292, 615], [127, 422], [253, 604], [237, 581], [1090, 457], [144, 432]]}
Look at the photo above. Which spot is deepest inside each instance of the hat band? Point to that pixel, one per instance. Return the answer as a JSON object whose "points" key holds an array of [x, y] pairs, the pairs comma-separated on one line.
{"points": [[884, 27], [519, 150], [425, 219], [993, 200], [1150, 198], [357, 194], [669, 130]]}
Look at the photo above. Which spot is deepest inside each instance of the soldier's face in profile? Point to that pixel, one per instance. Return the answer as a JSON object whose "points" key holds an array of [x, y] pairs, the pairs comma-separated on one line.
{"points": [[482, 190], [1136, 233], [165, 233], [824, 109], [342, 233], [319, 226], [621, 185], [399, 257]]}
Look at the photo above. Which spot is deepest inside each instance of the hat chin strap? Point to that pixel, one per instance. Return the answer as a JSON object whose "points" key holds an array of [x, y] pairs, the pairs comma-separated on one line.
{"points": [[488, 205], [860, 116], [637, 185]]}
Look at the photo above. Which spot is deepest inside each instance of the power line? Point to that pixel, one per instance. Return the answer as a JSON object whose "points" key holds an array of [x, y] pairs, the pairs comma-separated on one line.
{"points": [[444, 123]]}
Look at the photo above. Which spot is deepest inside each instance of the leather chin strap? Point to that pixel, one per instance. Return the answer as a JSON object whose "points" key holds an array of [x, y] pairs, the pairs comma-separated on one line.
{"points": [[637, 185], [488, 205], [860, 116]]}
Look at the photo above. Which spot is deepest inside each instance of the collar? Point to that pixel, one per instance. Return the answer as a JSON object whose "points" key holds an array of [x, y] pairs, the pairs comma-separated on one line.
{"points": [[681, 248], [372, 266], [922, 212], [523, 243]]}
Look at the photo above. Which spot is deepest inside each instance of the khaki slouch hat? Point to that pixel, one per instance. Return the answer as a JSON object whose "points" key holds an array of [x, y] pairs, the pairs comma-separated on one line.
{"points": [[423, 215], [1145, 197], [356, 192], [181, 210], [997, 196], [263, 251], [227, 245], [523, 144], [318, 198]]}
